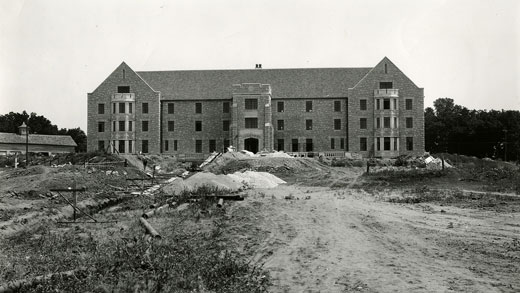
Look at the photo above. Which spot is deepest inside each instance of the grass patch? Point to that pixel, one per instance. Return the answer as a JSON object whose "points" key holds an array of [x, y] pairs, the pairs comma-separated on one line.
{"points": [[192, 256]]}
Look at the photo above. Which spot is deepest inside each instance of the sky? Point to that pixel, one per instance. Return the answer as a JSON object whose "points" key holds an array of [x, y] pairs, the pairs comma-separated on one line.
{"points": [[54, 52]]}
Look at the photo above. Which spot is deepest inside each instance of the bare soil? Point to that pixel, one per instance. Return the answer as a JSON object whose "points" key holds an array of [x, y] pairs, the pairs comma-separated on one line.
{"points": [[329, 229]]}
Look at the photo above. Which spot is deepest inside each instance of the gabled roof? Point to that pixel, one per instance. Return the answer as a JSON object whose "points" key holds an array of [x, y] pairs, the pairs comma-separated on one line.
{"points": [[41, 139], [285, 83]]}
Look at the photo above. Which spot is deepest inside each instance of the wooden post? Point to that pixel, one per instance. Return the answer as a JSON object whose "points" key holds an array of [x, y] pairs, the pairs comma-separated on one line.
{"points": [[75, 201], [368, 167], [442, 160]]}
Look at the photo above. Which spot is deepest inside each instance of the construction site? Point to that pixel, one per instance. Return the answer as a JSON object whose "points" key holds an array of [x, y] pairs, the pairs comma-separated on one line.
{"points": [[269, 222]]}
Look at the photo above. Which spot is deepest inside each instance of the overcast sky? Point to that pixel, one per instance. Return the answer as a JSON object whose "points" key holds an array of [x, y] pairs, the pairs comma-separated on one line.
{"points": [[52, 53]]}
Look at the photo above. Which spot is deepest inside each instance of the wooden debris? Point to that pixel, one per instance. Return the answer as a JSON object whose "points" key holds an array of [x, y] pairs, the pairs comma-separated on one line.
{"points": [[220, 202], [149, 228], [152, 212]]}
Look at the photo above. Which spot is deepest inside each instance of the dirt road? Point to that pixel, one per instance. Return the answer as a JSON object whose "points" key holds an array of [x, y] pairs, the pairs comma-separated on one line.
{"points": [[345, 240]]}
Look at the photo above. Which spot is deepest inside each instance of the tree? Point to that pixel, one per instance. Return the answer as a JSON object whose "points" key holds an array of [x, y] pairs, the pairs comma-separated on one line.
{"points": [[38, 124], [455, 129], [79, 137]]}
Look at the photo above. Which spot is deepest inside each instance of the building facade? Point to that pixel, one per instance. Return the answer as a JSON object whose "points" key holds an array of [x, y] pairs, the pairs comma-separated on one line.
{"points": [[374, 112]]}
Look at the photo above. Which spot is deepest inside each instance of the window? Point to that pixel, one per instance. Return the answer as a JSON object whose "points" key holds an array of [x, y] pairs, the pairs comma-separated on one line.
{"points": [[101, 126], [113, 126], [113, 108], [378, 122], [342, 143], [386, 104], [123, 89], [198, 125], [396, 124], [337, 106], [166, 145], [386, 122], [225, 125], [280, 106], [378, 104], [121, 125], [144, 146], [332, 143], [386, 85], [395, 104], [363, 123], [144, 125], [225, 107], [308, 145], [175, 145], [212, 145], [294, 145], [251, 104], [171, 125], [386, 68], [198, 146], [409, 104], [251, 122], [337, 124], [308, 106], [130, 110], [130, 124], [409, 122], [198, 108], [363, 144], [171, 108], [409, 143], [280, 124], [121, 107], [130, 150], [386, 143], [121, 147], [308, 124], [396, 139], [378, 144], [101, 108], [362, 105], [280, 145], [101, 145], [145, 108]]}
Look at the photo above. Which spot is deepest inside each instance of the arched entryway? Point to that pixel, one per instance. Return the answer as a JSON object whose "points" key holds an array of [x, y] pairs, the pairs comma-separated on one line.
{"points": [[251, 144]]}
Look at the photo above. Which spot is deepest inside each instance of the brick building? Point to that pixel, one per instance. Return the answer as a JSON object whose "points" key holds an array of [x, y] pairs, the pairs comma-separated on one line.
{"points": [[375, 111]]}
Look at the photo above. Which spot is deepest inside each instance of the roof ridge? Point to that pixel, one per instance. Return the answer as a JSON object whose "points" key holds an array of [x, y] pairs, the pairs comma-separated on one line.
{"points": [[254, 69]]}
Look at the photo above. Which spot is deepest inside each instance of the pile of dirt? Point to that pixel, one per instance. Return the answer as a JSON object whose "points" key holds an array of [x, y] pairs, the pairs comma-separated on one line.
{"points": [[231, 182], [235, 161]]}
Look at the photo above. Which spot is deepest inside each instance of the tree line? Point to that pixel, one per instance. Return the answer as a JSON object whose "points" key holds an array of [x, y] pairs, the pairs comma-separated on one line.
{"points": [[453, 128], [38, 124]]}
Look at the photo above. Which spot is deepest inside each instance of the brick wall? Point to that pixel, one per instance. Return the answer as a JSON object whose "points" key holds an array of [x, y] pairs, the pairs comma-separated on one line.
{"points": [[365, 90], [124, 76], [322, 116], [184, 118]]}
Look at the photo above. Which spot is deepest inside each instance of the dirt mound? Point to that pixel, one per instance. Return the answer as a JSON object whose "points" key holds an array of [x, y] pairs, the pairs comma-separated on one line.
{"points": [[231, 182], [234, 161]]}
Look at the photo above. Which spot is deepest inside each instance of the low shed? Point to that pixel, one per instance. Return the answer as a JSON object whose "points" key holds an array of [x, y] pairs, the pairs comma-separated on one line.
{"points": [[11, 143]]}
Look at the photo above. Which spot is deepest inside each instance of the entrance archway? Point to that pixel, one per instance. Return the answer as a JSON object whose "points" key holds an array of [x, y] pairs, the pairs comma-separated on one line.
{"points": [[251, 144]]}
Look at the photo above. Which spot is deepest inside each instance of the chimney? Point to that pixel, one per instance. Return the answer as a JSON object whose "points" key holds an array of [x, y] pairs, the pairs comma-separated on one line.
{"points": [[258, 66]]}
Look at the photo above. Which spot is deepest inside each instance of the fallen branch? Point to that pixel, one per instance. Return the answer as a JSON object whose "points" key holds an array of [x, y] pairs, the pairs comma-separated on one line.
{"points": [[152, 212], [149, 228], [15, 286]]}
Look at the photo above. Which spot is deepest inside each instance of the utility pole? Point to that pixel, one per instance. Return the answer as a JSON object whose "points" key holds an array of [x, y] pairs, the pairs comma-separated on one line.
{"points": [[505, 145]]}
